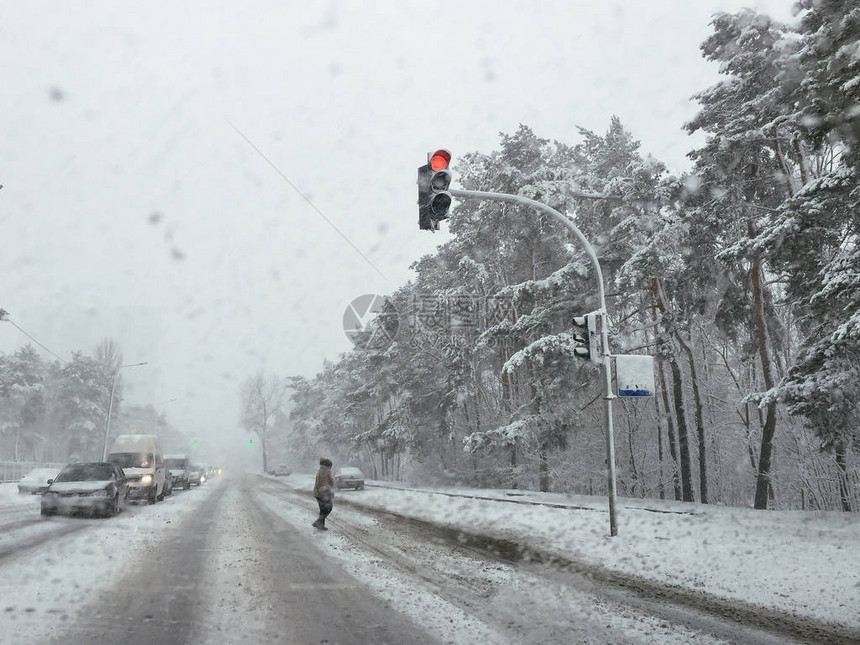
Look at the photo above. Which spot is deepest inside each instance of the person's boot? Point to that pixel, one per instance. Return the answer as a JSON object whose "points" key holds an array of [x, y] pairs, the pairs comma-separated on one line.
{"points": [[316, 523], [322, 525]]}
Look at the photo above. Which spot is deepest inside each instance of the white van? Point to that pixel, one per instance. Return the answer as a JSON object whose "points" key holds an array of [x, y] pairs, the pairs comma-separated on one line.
{"points": [[140, 457]]}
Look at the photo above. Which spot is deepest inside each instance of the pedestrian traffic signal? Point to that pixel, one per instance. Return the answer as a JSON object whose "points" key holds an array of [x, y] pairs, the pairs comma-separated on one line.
{"points": [[434, 200], [588, 338]]}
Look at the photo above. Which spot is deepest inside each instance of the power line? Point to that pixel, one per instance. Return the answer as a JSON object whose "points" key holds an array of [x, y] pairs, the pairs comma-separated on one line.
{"points": [[4, 317], [305, 197]]}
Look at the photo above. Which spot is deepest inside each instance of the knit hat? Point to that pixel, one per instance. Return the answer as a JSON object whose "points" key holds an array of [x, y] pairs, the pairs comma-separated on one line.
{"points": [[325, 462]]}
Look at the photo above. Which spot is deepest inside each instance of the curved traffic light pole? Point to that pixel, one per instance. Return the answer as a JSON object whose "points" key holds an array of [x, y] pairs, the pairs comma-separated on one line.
{"points": [[604, 332]]}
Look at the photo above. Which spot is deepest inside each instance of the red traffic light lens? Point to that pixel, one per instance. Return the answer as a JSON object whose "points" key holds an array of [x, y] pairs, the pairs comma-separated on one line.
{"points": [[440, 160]]}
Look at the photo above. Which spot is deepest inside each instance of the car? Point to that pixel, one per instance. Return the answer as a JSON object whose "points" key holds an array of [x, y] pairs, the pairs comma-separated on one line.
{"points": [[36, 481], [90, 488], [140, 458], [349, 477], [281, 470], [178, 466], [195, 476]]}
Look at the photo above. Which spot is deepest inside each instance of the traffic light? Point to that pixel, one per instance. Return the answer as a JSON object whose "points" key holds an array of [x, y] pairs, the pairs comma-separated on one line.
{"points": [[434, 200], [588, 340]]}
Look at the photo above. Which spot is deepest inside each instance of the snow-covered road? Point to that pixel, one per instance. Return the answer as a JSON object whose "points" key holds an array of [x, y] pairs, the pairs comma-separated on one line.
{"points": [[236, 561]]}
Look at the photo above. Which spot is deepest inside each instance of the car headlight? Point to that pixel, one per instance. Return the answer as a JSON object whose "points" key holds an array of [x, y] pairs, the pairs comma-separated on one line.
{"points": [[100, 493], [146, 479]]}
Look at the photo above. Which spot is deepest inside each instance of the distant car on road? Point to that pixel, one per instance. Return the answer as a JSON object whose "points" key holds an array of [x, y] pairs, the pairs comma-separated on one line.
{"points": [[349, 477], [92, 488], [195, 476], [178, 466], [281, 470], [36, 481]]}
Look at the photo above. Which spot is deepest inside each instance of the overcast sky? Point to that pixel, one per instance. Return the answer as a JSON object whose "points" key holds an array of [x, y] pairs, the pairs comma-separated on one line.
{"points": [[211, 183]]}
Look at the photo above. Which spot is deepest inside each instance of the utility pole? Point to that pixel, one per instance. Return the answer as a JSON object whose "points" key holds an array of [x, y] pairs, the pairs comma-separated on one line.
{"points": [[110, 406]]}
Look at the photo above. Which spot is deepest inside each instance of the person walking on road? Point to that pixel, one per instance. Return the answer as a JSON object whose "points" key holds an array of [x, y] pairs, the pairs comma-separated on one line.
{"points": [[324, 492]]}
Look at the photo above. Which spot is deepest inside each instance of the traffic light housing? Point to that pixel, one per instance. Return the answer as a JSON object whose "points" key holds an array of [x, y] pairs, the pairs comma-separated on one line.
{"points": [[434, 200], [588, 337]]}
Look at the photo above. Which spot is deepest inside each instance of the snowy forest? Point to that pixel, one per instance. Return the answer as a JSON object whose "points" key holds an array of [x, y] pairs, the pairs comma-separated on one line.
{"points": [[741, 278], [56, 411]]}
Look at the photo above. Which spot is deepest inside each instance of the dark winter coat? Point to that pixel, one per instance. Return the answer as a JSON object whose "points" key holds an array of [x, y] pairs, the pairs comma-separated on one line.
{"points": [[324, 484]]}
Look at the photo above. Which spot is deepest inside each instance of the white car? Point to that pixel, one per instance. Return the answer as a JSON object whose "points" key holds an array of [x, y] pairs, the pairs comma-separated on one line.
{"points": [[36, 481], [349, 477]]}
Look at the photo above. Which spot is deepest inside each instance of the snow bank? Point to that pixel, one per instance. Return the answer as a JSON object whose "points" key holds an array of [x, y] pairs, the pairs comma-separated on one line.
{"points": [[804, 563]]}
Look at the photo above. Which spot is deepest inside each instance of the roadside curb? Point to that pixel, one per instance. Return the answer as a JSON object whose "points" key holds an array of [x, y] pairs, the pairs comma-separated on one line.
{"points": [[571, 507]]}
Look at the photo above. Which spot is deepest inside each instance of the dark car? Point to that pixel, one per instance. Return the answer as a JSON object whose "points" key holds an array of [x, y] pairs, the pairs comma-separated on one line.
{"points": [[178, 466], [91, 488], [349, 477], [36, 481], [195, 476]]}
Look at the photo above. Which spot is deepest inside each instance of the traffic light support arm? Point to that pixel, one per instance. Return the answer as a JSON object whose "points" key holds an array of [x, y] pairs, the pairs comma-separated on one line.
{"points": [[606, 366]]}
